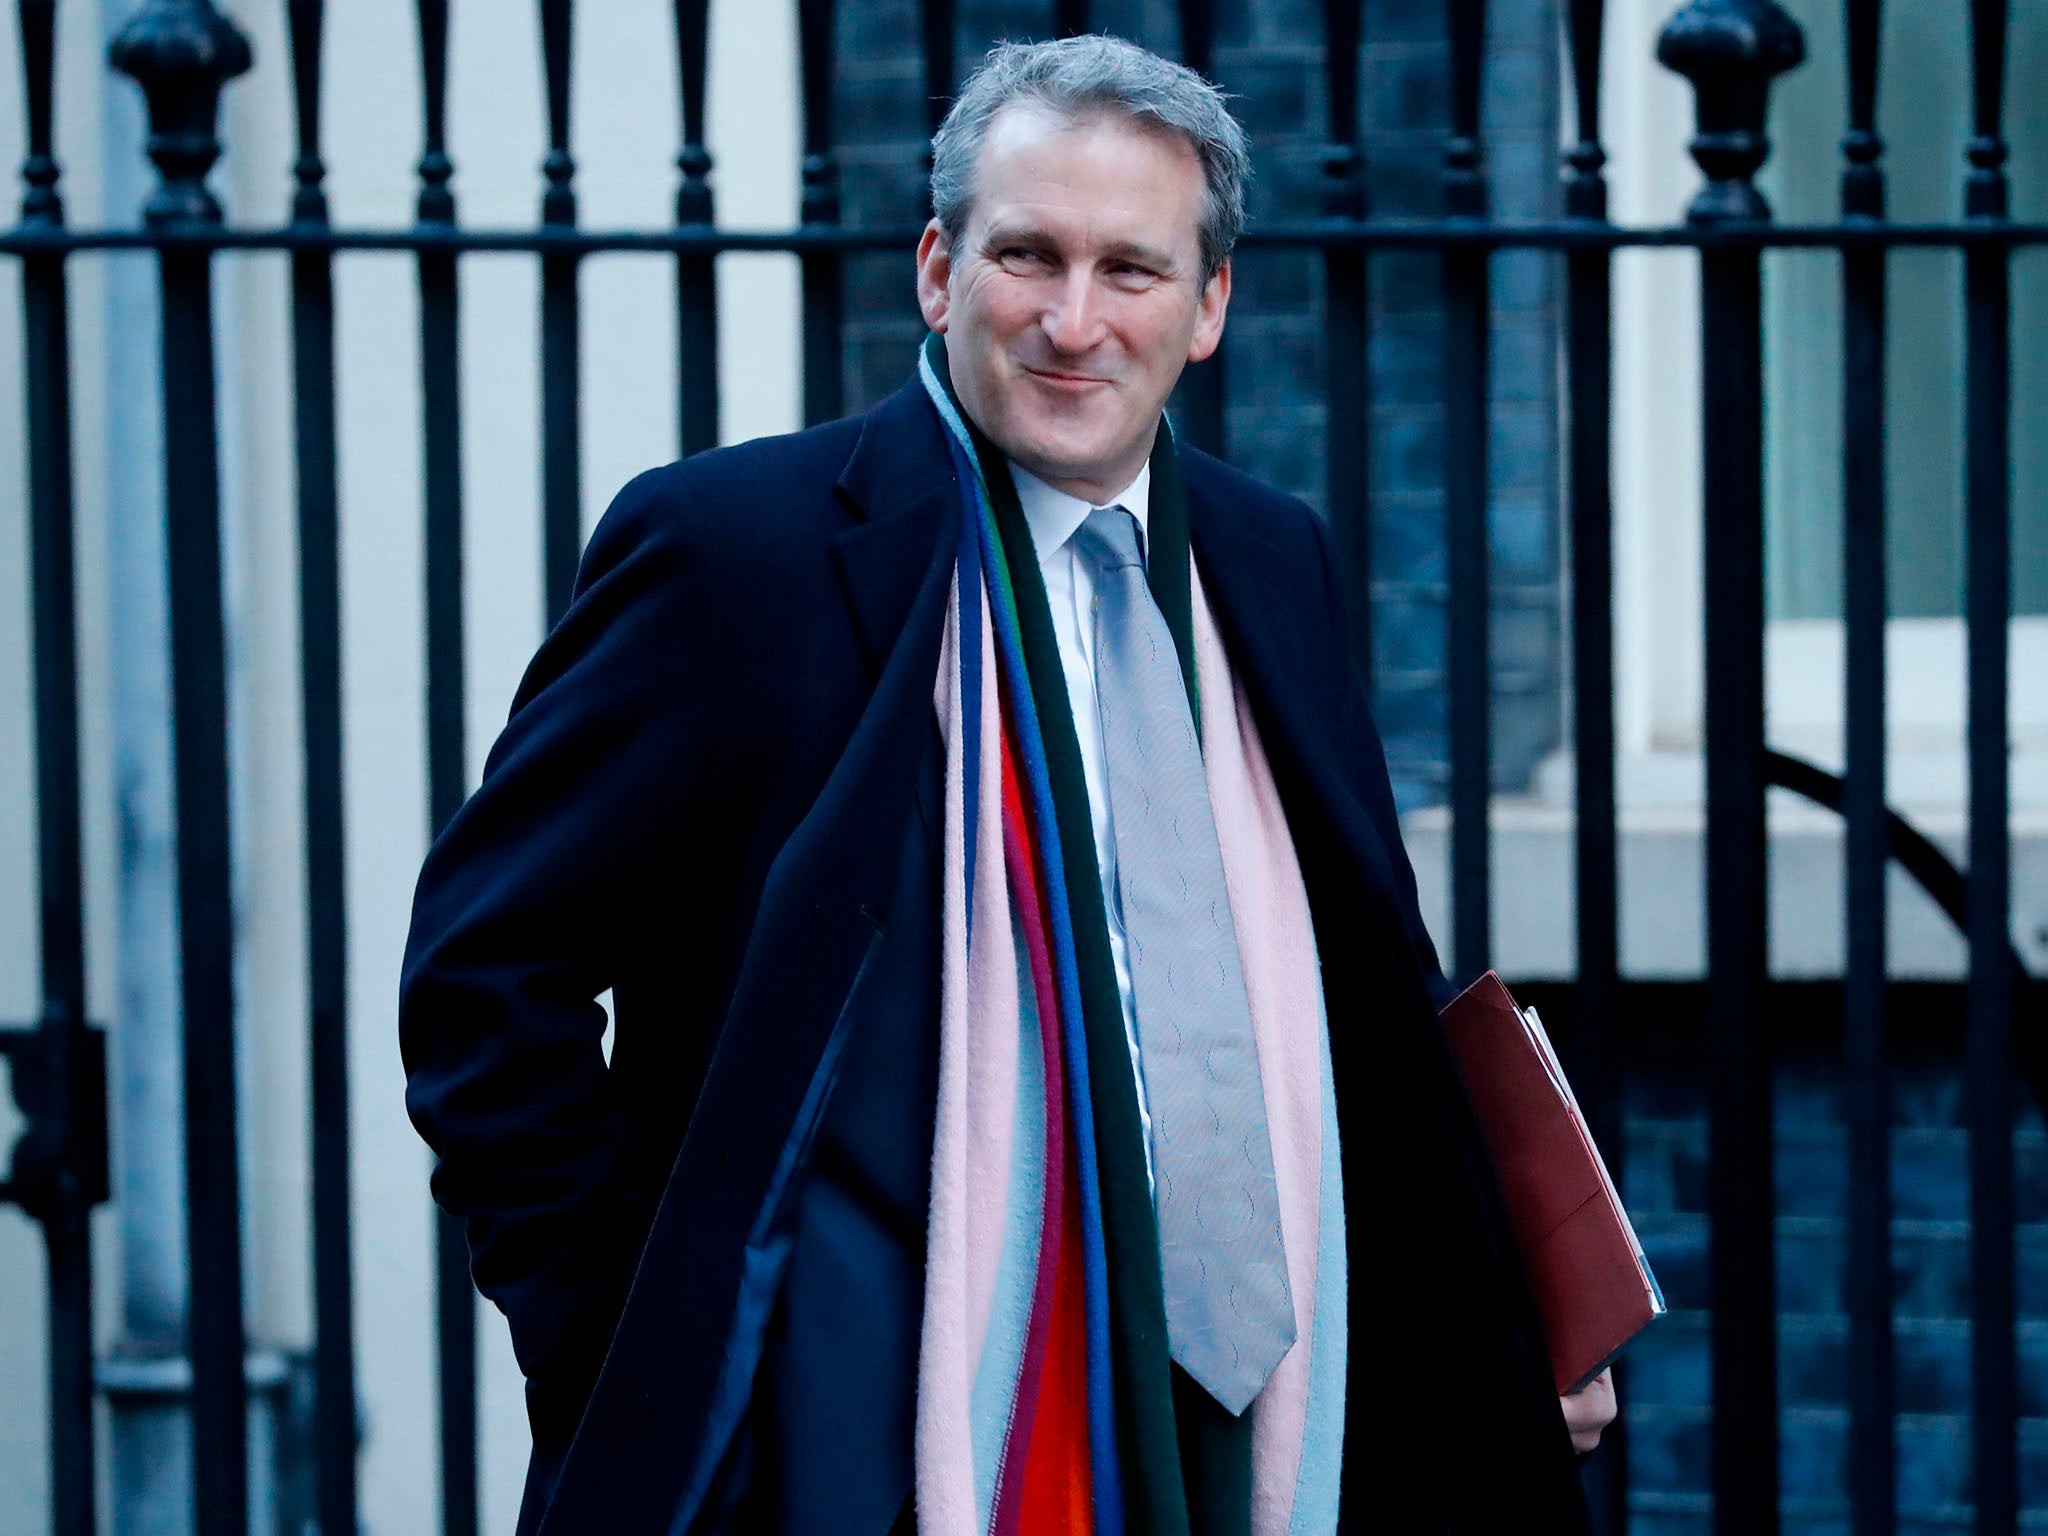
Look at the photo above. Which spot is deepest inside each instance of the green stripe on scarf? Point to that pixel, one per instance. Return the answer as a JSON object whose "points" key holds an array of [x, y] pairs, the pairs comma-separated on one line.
{"points": [[1187, 1462]]}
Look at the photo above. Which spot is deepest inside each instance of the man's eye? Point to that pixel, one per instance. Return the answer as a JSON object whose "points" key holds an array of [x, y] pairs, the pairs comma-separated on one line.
{"points": [[1020, 254]]}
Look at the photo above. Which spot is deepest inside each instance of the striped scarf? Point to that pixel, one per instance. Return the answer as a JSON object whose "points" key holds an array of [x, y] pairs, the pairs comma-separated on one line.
{"points": [[1046, 1398]]}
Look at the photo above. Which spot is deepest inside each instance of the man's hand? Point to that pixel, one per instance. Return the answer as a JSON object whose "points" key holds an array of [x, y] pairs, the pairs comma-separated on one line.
{"points": [[1589, 1410]]}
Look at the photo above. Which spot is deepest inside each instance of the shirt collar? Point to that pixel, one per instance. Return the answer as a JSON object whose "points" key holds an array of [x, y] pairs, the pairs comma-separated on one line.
{"points": [[1054, 517]]}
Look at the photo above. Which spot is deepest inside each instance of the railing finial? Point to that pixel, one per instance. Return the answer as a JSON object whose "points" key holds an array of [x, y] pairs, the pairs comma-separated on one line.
{"points": [[40, 203], [436, 200], [181, 52], [1985, 191], [818, 199], [1585, 187], [1731, 50], [558, 202], [1342, 163], [693, 34], [305, 21]]}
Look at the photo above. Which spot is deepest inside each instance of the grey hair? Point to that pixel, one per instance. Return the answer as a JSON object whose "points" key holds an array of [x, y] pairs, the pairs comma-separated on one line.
{"points": [[1083, 77]]}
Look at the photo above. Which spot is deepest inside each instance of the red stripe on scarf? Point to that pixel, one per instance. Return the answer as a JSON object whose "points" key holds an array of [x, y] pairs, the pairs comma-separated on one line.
{"points": [[1049, 1430], [1020, 851], [1058, 1487]]}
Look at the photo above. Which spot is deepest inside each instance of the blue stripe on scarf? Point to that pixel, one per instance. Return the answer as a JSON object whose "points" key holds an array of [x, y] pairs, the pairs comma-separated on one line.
{"points": [[969, 565], [1107, 1475]]}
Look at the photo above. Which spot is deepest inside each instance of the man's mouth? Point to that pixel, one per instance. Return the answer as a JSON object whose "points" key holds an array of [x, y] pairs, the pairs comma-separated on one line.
{"points": [[1065, 382]]}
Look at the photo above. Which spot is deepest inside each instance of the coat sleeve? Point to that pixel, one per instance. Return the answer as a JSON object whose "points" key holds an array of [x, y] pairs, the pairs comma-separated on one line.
{"points": [[1366, 759], [527, 907]]}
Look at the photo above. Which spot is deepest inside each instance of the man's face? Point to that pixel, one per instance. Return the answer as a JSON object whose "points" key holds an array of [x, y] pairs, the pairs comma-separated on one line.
{"points": [[1074, 297]]}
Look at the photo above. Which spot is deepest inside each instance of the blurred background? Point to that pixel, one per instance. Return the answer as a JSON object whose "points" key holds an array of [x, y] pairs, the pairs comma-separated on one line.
{"points": [[1693, 498]]}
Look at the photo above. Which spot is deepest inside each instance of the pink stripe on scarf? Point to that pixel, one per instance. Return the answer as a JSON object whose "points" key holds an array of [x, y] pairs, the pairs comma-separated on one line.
{"points": [[1276, 944], [979, 1030]]}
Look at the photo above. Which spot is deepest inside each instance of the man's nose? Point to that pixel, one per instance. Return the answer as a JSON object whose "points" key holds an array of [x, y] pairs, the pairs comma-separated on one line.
{"points": [[1073, 321]]}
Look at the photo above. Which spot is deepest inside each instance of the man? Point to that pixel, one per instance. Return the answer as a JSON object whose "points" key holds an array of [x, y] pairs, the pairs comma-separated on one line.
{"points": [[732, 792]]}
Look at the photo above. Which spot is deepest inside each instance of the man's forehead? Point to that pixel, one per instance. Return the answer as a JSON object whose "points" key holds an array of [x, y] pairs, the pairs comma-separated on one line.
{"points": [[1015, 186]]}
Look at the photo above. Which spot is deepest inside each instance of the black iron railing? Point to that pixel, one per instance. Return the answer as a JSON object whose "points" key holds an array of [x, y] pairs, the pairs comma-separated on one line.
{"points": [[182, 53]]}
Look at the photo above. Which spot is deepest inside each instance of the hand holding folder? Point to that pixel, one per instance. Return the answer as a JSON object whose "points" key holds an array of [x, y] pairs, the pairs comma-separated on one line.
{"points": [[1592, 1285]]}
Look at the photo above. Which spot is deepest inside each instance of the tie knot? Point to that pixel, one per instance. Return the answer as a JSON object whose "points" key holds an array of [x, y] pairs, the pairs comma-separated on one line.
{"points": [[1109, 537]]}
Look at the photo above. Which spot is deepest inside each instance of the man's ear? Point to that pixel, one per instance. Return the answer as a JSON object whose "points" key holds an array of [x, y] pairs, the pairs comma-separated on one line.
{"points": [[1209, 315], [934, 268]]}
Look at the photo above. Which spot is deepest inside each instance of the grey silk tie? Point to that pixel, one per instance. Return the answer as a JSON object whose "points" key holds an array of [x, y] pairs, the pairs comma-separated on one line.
{"points": [[1229, 1317]]}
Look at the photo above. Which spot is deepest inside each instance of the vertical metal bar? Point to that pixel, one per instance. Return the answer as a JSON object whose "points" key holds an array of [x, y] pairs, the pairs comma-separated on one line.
{"points": [[1199, 398], [1740, 1197], [696, 276], [1467, 320], [67, 1236], [447, 777], [560, 333], [824, 279], [1987, 303], [936, 19], [312, 274], [205, 916], [1347, 423], [1872, 1454], [1198, 35], [1731, 50], [157, 49], [1588, 385]]}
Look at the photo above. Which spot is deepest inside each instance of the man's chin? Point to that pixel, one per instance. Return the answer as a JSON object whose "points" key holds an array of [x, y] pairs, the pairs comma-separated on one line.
{"points": [[1055, 455], [1066, 464]]}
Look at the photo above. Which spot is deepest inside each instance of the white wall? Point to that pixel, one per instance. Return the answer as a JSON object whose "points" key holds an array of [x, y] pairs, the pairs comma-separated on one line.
{"points": [[625, 137], [1647, 117]]}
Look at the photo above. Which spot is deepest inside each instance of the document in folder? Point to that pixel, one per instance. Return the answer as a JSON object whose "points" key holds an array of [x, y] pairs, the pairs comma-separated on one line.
{"points": [[1592, 1284]]}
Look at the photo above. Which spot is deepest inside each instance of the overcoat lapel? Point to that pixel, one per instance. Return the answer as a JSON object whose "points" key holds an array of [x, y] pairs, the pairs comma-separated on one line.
{"points": [[721, 1236], [898, 490]]}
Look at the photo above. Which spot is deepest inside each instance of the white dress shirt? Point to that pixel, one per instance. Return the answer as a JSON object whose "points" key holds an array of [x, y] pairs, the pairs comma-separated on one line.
{"points": [[1053, 518]]}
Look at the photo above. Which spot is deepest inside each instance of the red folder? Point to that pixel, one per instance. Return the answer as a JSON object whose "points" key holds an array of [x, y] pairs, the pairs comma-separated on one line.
{"points": [[1592, 1284]]}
